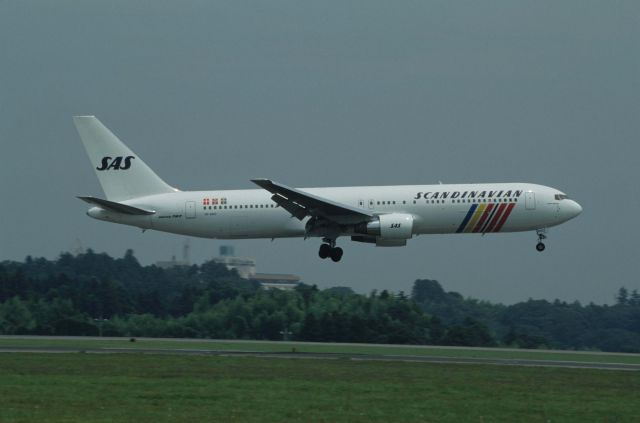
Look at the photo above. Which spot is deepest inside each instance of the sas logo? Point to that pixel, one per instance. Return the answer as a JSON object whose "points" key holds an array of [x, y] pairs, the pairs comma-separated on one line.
{"points": [[115, 163]]}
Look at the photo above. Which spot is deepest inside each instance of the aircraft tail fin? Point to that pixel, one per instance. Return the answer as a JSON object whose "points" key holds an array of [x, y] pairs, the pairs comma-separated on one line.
{"points": [[122, 174]]}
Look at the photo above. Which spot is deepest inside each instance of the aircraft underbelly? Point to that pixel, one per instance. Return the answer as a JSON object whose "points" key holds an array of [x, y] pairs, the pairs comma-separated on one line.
{"points": [[236, 226]]}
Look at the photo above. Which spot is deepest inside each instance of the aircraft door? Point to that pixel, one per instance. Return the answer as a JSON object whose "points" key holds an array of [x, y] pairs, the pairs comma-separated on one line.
{"points": [[361, 204], [371, 204], [190, 209], [530, 200]]}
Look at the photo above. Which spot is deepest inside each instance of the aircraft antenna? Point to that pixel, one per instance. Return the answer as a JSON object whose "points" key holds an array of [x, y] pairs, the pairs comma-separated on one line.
{"points": [[78, 247], [186, 251]]}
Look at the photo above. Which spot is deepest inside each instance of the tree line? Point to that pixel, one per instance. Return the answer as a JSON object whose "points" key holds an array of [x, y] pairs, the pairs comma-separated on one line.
{"points": [[95, 294]]}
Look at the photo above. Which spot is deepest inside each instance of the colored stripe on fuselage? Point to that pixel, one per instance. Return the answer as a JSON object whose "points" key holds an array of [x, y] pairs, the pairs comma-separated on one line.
{"points": [[475, 217], [467, 217], [484, 227], [484, 217], [496, 218], [504, 218]]}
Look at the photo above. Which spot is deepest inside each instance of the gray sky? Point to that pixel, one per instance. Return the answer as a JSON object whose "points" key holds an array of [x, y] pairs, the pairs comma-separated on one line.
{"points": [[334, 93]]}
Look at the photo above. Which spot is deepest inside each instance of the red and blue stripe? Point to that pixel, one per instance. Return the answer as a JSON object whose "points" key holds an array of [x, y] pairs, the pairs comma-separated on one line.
{"points": [[483, 218]]}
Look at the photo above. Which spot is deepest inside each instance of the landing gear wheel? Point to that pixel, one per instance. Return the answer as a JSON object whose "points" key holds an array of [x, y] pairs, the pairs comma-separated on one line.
{"points": [[542, 235], [336, 254], [325, 251]]}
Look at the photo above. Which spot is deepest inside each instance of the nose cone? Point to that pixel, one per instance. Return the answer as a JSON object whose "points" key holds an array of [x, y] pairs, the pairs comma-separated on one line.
{"points": [[571, 209]]}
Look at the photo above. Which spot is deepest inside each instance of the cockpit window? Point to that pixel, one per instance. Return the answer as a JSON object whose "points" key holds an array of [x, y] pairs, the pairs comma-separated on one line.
{"points": [[561, 196]]}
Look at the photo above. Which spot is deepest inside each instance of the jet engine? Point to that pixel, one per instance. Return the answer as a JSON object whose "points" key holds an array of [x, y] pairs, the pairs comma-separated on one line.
{"points": [[387, 230]]}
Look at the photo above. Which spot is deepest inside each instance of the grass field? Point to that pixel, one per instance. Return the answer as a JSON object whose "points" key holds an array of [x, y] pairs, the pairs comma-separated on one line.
{"points": [[323, 348], [79, 387]]}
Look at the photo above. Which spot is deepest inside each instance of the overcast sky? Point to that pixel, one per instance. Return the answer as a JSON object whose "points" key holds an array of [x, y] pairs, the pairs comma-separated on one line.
{"points": [[331, 93]]}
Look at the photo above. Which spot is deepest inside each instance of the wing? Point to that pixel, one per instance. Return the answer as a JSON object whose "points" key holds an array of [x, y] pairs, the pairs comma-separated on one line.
{"points": [[301, 204]]}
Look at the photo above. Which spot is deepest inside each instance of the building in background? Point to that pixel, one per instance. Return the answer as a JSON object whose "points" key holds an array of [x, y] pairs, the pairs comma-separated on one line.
{"points": [[282, 281], [245, 266], [186, 261]]}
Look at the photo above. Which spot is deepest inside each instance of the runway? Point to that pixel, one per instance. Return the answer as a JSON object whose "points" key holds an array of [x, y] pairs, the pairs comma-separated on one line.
{"points": [[329, 356]]}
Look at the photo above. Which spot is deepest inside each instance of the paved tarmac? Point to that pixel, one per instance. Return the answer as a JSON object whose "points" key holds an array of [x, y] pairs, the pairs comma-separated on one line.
{"points": [[249, 342], [330, 356]]}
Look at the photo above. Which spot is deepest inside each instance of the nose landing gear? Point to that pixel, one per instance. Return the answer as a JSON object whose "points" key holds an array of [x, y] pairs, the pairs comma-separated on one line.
{"points": [[541, 237], [329, 249]]}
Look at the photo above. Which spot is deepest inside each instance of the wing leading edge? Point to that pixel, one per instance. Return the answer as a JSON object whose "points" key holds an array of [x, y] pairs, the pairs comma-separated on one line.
{"points": [[301, 204]]}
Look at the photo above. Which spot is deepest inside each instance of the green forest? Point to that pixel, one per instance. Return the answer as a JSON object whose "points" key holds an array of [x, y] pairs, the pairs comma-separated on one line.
{"points": [[98, 295]]}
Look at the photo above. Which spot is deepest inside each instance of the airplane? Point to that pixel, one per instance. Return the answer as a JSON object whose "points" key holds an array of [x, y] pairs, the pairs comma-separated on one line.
{"points": [[386, 216]]}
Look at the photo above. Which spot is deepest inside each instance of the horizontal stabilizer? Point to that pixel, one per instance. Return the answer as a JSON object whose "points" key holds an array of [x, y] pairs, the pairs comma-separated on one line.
{"points": [[115, 206]]}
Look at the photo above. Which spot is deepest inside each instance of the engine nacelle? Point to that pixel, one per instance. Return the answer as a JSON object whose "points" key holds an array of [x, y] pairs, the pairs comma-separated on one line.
{"points": [[392, 226], [383, 242], [380, 242]]}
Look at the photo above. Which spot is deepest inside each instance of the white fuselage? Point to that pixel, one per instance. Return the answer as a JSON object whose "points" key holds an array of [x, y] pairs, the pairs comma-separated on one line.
{"points": [[436, 209], [386, 216]]}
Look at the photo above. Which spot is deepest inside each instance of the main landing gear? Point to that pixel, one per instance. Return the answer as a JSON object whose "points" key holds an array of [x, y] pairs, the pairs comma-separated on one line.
{"points": [[329, 249], [541, 237]]}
